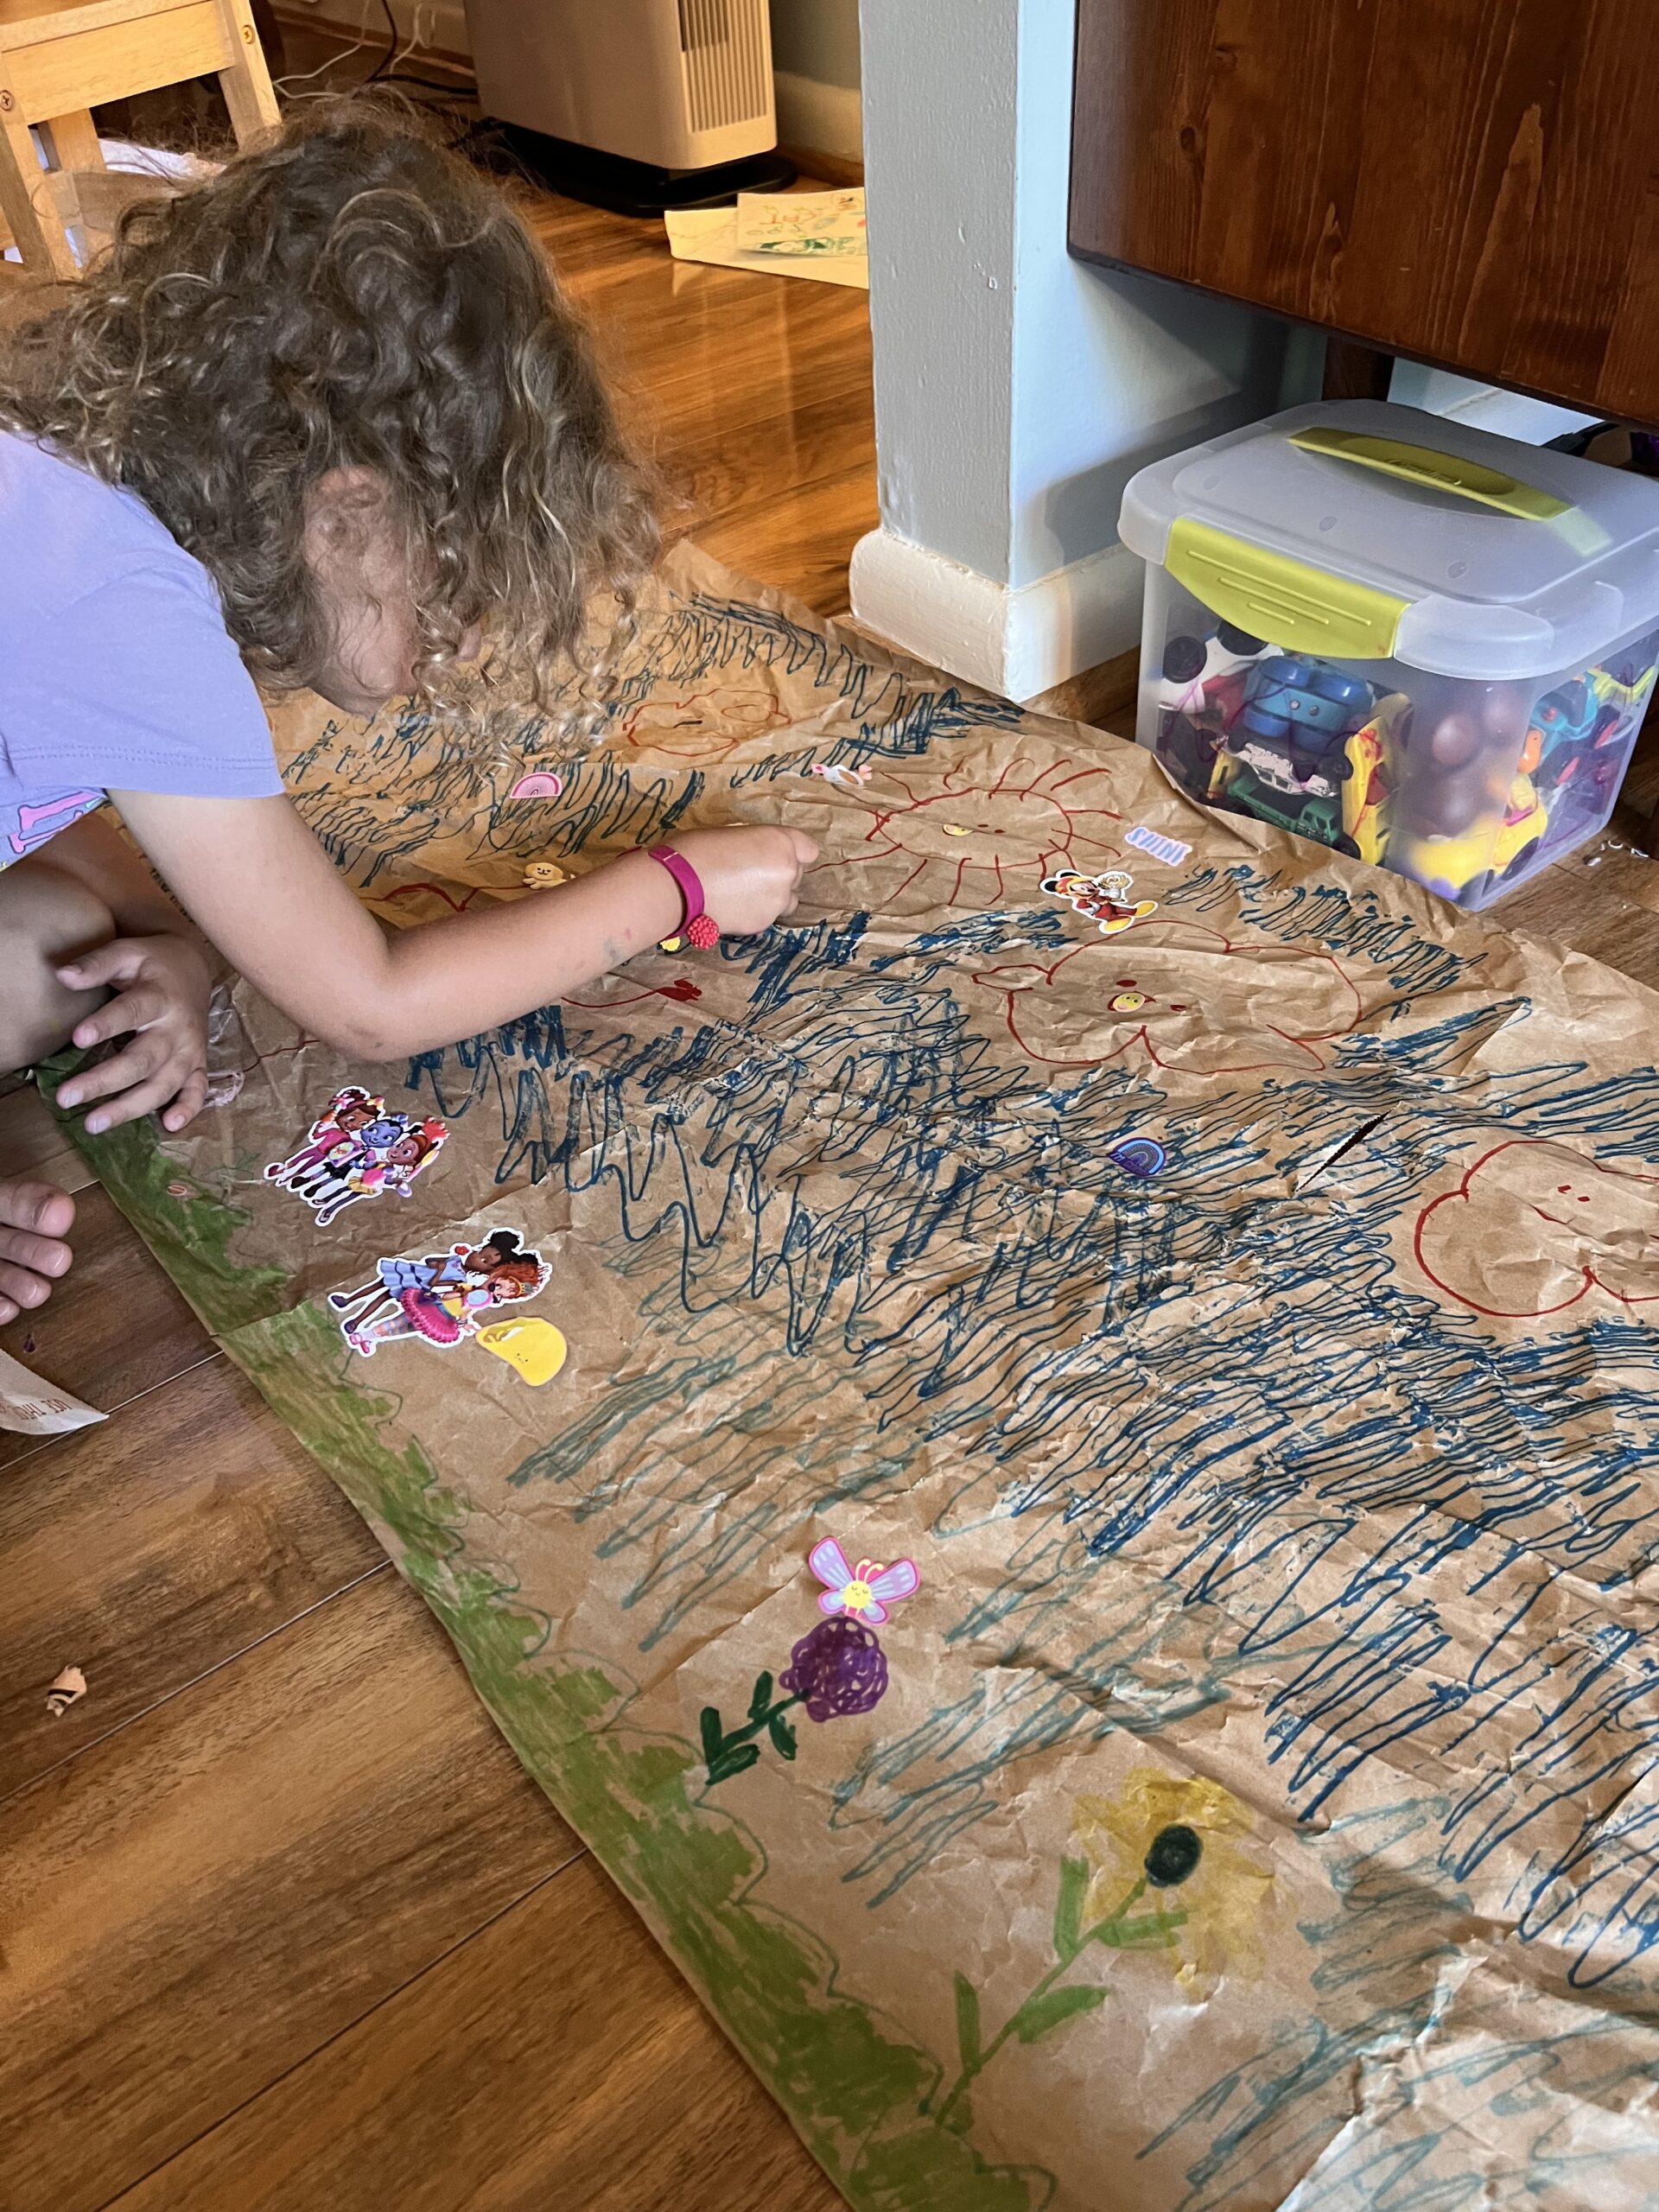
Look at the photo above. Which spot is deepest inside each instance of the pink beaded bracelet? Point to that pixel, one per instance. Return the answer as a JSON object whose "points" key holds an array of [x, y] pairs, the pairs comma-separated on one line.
{"points": [[696, 926]]}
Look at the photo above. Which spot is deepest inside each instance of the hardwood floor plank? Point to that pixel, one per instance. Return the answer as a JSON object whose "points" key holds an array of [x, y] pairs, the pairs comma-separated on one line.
{"points": [[153, 1548], [202, 1901], [556, 2060], [1628, 940], [112, 1328], [730, 470], [32, 1143], [801, 544], [742, 372]]}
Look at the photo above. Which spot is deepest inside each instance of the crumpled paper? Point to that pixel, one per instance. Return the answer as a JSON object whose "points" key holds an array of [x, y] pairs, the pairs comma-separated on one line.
{"points": [[1227, 1281]]}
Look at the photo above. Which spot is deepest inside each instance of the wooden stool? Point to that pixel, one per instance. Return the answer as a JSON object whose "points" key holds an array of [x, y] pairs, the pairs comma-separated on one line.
{"points": [[58, 59]]}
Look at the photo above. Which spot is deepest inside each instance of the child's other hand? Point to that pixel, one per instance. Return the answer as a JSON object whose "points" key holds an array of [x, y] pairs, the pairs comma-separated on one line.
{"points": [[160, 986], [750, 876]]}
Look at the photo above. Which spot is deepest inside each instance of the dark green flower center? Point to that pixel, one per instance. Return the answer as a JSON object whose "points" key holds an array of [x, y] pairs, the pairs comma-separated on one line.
{"points": [[1174, 1856]]}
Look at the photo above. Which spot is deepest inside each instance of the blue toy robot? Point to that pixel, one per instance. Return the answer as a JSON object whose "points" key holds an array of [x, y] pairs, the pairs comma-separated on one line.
{"points": [[1307, 704]]}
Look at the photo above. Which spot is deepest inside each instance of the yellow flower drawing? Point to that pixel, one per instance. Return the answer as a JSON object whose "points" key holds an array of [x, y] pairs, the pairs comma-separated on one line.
{"points": [[1172, 1843]]}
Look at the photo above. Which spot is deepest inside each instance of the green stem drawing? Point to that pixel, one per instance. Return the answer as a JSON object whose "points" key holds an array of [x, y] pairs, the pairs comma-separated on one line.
{"points": [[1049, 2006], [731, 1754]]}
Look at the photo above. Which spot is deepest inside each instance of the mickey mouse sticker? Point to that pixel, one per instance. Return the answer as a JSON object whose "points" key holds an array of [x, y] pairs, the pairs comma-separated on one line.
{"points": [[1104, 899]]}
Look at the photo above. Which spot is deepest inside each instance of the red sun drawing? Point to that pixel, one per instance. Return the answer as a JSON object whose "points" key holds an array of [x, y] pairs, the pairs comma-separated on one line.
{"points": [[1174, 995], [971, 844], [701, 726], [1534, 1227]]}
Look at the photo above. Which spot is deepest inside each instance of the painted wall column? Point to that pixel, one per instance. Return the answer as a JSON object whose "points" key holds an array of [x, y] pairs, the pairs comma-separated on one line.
{"points": [[1017, 391]]}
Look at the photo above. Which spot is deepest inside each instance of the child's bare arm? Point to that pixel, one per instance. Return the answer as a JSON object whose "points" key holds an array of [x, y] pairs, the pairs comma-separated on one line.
{"points": [[260, 888]]}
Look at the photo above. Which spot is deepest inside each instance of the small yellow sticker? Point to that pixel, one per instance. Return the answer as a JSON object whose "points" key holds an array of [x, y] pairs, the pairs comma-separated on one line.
{"points": [[536, 1348]]}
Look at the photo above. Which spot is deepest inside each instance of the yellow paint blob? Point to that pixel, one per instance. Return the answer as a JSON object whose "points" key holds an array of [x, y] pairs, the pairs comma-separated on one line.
{"points": [[536, 1348]]}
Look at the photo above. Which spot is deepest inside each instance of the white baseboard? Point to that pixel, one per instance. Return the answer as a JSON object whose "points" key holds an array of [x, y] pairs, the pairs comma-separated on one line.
{"points": [[1015, 642], [829, 118]]}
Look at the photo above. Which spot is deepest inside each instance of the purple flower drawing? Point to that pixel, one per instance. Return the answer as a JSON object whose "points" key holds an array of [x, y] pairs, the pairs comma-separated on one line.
{"points": [[838, 1669]]}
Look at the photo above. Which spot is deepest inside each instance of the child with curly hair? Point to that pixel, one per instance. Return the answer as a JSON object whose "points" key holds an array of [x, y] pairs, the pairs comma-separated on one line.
{"points": [[325, 420]]}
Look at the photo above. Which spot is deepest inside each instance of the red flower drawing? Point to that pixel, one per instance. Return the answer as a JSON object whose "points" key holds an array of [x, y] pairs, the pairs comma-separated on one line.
{"points": [[1534, 1227]]}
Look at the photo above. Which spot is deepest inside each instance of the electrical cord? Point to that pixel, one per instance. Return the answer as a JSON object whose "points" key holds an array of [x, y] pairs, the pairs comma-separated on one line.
{"points": [[383, 71], [386, 72]]}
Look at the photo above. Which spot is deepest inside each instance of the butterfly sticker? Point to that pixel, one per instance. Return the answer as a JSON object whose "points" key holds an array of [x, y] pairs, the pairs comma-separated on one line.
{"points": [[867, 1590]]}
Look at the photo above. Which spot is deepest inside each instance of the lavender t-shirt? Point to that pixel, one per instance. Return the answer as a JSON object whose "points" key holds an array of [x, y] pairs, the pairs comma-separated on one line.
{"points": [[116, 673]]}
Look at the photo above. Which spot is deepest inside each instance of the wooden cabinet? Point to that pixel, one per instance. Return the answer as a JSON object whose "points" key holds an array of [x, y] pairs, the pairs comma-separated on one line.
{"points": [[1472, 183]]}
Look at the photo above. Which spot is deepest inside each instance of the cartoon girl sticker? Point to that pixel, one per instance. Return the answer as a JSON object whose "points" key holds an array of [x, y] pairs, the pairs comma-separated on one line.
{"points": [[444, 1298], [349, 1111], [386, 1156], [358, 1151]]}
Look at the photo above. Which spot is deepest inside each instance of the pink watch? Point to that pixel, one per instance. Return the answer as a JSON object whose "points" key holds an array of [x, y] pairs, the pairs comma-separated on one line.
{"points": [[696, 926]]}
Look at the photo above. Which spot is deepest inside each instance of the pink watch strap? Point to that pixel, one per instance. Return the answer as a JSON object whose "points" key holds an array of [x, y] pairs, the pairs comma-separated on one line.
{"points": [[696, 926]]}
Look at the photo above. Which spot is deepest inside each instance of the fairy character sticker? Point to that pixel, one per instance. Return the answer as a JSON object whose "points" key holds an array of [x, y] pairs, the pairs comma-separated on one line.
{"points": [[349, 1110], [385, 1156], [1104, 899], [444, 1298], [357, 1150]]}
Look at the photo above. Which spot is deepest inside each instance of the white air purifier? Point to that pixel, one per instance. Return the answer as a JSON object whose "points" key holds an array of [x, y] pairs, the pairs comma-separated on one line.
{"points": [[638, 104]]}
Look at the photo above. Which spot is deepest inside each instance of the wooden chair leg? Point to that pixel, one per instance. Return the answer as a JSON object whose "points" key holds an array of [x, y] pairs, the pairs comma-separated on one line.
{"points": [[74, 163], [246, 83], [74, 141], [39, 205], [27, 196], [90, 194]]}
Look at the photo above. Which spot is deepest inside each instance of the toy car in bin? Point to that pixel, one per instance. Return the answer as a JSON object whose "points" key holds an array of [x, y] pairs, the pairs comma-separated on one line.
{"points": [[1428, 646], [1256, 778]]}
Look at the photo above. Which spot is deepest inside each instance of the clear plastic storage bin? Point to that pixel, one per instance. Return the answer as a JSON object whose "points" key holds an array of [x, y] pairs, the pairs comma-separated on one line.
{"points": [[1427, 646]]}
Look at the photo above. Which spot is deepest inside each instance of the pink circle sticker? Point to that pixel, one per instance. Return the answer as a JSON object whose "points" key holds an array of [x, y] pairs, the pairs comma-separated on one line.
{"points": [[537, 786]]}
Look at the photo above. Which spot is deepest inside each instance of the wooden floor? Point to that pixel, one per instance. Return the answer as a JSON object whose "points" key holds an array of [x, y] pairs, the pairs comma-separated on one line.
{"points": [[283, 1925]]}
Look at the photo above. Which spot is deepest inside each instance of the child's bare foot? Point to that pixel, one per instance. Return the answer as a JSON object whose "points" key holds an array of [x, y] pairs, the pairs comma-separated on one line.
{"points": [[34, 1218]]}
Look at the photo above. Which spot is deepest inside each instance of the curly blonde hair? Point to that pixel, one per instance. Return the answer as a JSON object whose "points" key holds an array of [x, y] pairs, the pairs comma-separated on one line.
{"points": [[351, 295]]}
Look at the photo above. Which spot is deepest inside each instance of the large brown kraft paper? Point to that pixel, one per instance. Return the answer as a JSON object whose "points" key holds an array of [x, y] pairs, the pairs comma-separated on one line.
{"points": [[1281, 1678]]}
